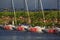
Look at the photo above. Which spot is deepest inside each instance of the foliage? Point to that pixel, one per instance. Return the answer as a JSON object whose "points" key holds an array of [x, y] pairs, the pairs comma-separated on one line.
{"points": [[34, 16]]}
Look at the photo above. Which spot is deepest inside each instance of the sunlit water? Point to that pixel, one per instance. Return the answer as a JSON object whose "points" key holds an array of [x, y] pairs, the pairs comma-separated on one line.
{"points": [[16, 35]]}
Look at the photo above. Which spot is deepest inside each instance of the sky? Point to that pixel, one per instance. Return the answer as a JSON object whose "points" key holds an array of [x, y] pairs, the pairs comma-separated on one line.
{"points": [[19, 4]]}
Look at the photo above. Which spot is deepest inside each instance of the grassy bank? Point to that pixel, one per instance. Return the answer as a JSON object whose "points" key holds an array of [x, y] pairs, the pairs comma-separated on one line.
{"points": [[36, 18]]}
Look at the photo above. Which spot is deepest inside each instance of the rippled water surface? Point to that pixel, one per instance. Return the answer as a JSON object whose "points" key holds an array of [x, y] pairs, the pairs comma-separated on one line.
{"points": [[15, 35]]}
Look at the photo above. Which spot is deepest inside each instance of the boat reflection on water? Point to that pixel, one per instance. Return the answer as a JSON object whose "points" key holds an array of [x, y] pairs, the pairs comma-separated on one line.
{"points": [[27, 34], [17, 35]]}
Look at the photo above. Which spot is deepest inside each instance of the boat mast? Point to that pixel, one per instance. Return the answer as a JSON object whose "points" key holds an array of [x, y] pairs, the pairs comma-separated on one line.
{"points": [[35, 5], [15, 21], [29, 21], [58, 10], [42, 10], [24, 5], [38, 5]]}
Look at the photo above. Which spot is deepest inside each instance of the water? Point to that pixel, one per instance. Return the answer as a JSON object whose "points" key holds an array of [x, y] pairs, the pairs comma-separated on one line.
{"points": [[16, 35]]}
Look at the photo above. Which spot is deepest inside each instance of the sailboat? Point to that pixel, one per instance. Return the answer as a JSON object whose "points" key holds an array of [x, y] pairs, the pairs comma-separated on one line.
{"points": [[58, 28], [54, 29], [24, 27], [9, 26], [37, 29]]}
